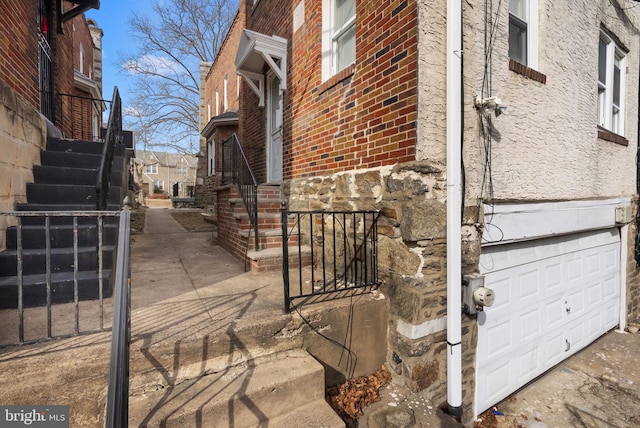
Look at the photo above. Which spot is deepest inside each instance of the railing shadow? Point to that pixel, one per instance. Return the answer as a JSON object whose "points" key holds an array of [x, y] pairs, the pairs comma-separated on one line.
{"points": [[228, 309]]}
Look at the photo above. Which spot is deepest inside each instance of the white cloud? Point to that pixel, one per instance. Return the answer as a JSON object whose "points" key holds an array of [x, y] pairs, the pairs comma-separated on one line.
{"points": [[151, 64]]}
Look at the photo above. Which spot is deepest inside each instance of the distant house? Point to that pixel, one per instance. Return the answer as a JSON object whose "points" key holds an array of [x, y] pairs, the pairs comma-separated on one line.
{"points": [[515, 170], [171, 174]]}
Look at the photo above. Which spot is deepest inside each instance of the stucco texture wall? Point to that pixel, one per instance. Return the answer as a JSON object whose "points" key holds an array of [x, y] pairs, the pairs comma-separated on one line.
{"points": [[546, 145], [22, 135]]}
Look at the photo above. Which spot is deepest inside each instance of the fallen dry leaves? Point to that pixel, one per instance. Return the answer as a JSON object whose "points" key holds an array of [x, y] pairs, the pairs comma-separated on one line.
{"points": [[351, 398]]}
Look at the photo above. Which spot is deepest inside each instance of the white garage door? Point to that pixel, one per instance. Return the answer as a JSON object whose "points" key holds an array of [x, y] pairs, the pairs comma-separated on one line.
{"points": [[554, 296]]}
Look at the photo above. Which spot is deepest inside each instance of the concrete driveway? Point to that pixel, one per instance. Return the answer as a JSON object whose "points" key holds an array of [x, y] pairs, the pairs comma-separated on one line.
{"points": [[597, 387]]}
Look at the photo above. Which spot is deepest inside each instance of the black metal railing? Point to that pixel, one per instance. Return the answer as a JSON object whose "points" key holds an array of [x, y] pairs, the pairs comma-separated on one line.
{"points": [[84, 115], [328, 252], [42, 279], [118, 391], [113, 136], [236, 169]]}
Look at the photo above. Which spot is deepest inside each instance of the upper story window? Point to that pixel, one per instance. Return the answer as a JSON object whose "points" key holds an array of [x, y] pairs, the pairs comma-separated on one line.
{"points": [[338, 36], [523, 32], [611, 66], [225, 101], [151, 169], [181, 170]]}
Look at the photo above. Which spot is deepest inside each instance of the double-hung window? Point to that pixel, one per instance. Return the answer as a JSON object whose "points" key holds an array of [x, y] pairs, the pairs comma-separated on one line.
{"points": [[611, 66], [151, 169], [339, 36], [523, 32]]}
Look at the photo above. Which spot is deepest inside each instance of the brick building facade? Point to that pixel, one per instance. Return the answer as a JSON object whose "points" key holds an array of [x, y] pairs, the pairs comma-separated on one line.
{"points": [[370, 131]]}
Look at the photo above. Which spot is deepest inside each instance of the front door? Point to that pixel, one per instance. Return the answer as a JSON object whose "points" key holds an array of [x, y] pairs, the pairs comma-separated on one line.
{"points": [[274, 129]]}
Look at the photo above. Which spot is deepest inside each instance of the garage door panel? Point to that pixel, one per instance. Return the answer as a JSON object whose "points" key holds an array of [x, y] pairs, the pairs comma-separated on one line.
{"points": [[553, 297], [555, 309], [531, 324]]}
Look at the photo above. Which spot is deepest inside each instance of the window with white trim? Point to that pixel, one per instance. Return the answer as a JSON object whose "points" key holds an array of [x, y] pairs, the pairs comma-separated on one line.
{"points": [[611, 66], [158, 185], [151, 169], [217, 102], [181, 170], [523, 32], [211, 158], [225, 99], [338, 36]]}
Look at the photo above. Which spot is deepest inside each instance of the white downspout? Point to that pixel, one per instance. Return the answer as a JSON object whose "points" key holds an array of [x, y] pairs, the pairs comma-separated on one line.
{"points": [[454, 216]]}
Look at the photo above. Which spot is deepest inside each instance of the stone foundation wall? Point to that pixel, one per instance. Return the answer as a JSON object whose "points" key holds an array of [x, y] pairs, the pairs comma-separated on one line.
{"points": [[411, 261], [22, 135], [633, 273]]}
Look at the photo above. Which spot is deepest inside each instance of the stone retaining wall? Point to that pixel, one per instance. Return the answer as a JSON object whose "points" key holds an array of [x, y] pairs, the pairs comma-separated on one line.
{"points": [[411, 259], [22, 135]]}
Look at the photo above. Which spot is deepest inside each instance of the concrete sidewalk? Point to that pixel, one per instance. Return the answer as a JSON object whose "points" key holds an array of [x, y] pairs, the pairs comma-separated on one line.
{"points": [[194, 310]]}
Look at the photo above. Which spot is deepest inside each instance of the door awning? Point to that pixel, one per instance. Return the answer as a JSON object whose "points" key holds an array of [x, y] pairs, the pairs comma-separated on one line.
{"points": [[254, 51]]}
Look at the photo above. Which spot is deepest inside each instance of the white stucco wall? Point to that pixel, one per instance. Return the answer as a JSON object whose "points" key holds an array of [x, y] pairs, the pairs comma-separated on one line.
{"points": [[545, 147]]}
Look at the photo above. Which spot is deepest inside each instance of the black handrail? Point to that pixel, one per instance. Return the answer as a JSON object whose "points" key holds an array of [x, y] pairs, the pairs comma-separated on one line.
{"points": [[118, 393], [112, 137], [239, 171], [81, 109]]}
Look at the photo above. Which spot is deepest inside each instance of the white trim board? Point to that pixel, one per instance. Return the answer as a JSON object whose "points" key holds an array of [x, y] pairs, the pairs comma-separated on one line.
{"points": [[515, 222]]}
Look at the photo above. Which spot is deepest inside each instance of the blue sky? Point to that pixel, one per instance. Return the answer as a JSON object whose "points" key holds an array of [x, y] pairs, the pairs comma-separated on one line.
{"points": [[112, 18]]}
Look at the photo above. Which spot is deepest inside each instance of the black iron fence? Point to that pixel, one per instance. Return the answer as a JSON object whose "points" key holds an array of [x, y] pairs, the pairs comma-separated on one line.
{"points": [[328, 252], [236, 169], [61, 259]]}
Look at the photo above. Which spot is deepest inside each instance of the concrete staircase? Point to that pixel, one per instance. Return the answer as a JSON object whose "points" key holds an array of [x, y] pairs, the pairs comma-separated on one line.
{"points": [[238, 232], [279, 390], [64, 181]]}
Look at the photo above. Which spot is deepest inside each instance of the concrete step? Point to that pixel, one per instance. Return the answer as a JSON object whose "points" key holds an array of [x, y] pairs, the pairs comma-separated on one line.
{"points": [[245, 395], [62, 260], [39, 193], [81, 146], [269, 238], [63, 175], [317, 414], [35, 288], [271, 258], [70, 159], [60, 236]]}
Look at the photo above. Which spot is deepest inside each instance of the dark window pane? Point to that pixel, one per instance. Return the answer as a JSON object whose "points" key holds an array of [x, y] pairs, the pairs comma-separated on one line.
{"points": [[517, 40], [602, 62]]}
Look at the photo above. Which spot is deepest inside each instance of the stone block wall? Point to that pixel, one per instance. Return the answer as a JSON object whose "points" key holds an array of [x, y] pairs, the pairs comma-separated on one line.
{"points": [[411, 197], [22, 135]]}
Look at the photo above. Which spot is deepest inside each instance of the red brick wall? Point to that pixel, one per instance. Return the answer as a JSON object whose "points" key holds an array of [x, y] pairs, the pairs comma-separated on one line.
{"points": [[224, 65], [363, 117], [19, 48], [19, 52]]}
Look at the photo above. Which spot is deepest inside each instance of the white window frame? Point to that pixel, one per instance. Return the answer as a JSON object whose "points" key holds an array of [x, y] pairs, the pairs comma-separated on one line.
{"points": [[211, 158], [159, 184], [329, 53], [610, 115], [217, 102], [182, 170], [151, 168], [531, 20], [225, 96]]}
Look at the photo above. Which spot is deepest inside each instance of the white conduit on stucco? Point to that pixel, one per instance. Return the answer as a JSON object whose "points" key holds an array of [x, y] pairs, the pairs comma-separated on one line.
{"points": [[454, 216]]}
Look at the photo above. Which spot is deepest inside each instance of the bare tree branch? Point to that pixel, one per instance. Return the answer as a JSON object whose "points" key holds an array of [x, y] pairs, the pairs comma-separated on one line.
{"points": [[173, 42]]}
